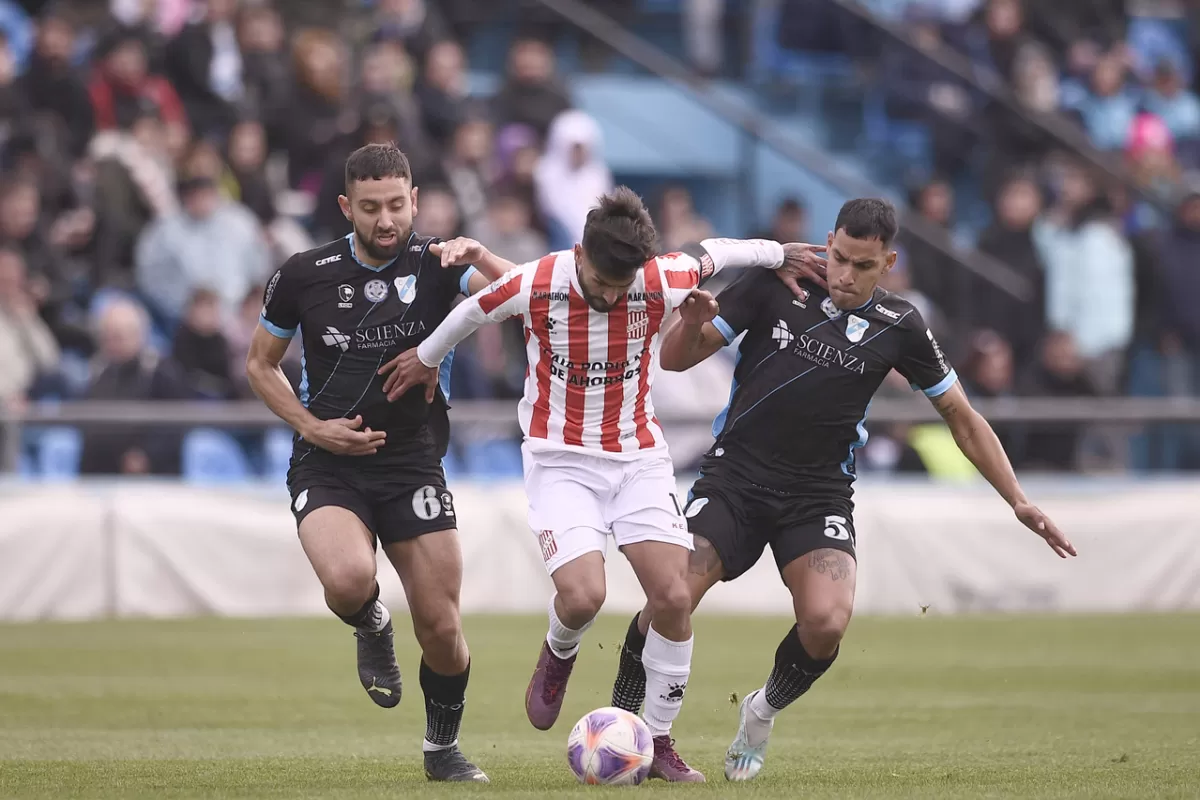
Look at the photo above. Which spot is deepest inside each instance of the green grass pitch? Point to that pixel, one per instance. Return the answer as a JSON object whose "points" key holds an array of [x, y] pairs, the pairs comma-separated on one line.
{"points": [[922, 707]]}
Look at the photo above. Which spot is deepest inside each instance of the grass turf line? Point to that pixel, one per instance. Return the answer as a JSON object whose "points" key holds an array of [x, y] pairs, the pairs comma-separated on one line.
{"points": [[929, 707]]}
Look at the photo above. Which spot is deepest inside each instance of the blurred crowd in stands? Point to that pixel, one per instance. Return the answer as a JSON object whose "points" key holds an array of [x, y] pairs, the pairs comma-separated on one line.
{"points": [[160, 158]]}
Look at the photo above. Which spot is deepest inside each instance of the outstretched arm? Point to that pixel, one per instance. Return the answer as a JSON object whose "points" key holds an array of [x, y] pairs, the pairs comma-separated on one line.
{"points": [[462, 251], [978, 442], [690, 337], [419, 366]]}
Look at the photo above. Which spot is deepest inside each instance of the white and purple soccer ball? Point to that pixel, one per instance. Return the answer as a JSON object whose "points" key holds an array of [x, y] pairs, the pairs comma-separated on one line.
{"points": [[610, 746]]}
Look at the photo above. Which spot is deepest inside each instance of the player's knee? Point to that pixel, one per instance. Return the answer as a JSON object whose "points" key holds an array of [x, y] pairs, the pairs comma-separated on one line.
{"points": [[582, 600], [673, 599], [822, 626], [439, 633], [350, 583]]}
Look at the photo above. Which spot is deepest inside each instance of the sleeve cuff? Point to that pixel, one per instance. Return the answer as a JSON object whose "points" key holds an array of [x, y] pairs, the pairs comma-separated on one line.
{"points": [[725, 328], [463, 286], [275, 330], [424, 359], [943, 385]]}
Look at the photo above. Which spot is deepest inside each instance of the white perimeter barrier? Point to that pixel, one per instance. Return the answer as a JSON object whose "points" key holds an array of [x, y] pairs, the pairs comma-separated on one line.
{"points": [[80, 551]]}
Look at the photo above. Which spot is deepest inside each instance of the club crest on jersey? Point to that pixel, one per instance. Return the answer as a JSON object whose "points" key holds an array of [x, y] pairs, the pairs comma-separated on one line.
{"points": [[831, 311], [707, 268], [406, 288], [375, 291], [345, 295], [639, 323], [855, 328]]}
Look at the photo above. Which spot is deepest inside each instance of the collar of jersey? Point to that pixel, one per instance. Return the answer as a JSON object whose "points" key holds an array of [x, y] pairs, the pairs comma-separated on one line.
{"points": [[381, 267]]}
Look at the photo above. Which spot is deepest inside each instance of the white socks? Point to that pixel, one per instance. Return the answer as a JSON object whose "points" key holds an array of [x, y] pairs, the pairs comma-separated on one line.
{"points": [[429, 747], [668, 665], [759, 719], [563, 641]]}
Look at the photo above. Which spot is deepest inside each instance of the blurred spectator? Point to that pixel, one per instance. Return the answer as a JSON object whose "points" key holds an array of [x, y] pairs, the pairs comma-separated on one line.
{"points": [[127, 369], [122, 89], [317, 116], [209, 244], [13, 105], [247, 154], [377, 126], [22, 228], [51, 85], [677, 220], [134, 184], [571, 176], [1058, 372], [28, 350], [201, 349], [899, 280], [1180, 285], [1108, 112], [416, 24], [442, 90], [468, 170], [532, 94], [703, 35], [508, 229], [17, 31], [921, 90], [386, 80], [1151, 153], [204, 63], [1010, 240], [790, 223], [1170, 100], [266, 75], [517, 156], [1004, 35], [241, 330], [1017, 141], [889, 452], [933, 273], [1089, 276], [438, 213]]}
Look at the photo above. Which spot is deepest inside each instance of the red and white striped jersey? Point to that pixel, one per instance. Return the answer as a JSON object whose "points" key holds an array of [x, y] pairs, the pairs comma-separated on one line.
{"points": [[590, 373]]}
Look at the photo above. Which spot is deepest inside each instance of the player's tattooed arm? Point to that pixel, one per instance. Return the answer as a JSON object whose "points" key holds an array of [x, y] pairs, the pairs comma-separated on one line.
{"points": [[978, 442], [703, 559]]}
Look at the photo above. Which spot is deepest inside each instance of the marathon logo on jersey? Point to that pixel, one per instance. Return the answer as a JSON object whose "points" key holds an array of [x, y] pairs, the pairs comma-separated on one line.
{"points": [[824, 354], [855, 328], [330, 260], [639, 324], [335, 338], [887, 312], [557, 297], [383, 336], [644, 297], [345, 295], [548, 545], [376, 290]]}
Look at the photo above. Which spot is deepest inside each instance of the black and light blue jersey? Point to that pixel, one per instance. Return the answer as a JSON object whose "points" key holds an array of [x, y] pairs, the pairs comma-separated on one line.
{"points": [[805, 375], [352, 318]]}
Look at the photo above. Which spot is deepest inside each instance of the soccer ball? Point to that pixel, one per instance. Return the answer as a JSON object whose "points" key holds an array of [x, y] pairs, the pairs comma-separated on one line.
{"points": [[610, 746]]}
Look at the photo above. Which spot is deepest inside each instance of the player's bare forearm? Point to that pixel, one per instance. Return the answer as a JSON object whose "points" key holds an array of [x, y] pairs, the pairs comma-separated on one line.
{"points": [[685, 345], [271, 385], [979, 443]]}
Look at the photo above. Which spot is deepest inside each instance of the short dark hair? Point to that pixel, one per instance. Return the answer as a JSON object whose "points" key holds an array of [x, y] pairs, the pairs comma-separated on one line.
{"points": [[374, 162], [868, 218], [619, 235]]}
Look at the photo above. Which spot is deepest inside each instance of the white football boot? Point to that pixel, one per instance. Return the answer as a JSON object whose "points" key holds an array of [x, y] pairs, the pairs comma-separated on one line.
{"points": [[743, 762]]}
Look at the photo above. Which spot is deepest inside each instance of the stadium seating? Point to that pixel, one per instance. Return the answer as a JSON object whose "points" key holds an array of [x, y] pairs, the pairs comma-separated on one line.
{"points": [[277, 454], [57, 451], [213, 457]]}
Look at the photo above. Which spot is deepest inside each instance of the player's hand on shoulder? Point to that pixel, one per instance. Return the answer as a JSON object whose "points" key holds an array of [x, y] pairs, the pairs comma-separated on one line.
{"points": [[802, 262], [458, 252], [699, 307], [342, 437], [407, 371], [1036, 520]]}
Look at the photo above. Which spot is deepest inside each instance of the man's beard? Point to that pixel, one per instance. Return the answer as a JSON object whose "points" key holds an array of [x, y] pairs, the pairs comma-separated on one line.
{"points": [[377, 251], [596, 303]]}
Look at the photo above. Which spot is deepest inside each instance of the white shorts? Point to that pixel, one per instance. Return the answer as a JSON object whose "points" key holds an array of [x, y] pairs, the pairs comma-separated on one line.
{"points": [[576, 501]]}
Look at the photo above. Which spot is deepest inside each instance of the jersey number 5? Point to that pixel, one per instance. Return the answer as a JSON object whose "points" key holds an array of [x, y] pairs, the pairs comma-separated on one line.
{"points": [[836, 528]]}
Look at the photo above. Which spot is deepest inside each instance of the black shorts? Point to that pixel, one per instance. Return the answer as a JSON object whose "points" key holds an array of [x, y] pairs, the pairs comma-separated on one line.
{"points": [[395, 504], [741, 519]]}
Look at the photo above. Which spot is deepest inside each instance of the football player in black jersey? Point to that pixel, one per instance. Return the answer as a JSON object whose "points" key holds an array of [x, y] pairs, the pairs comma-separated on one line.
{"points": [[781, 470], [365, 471]]}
